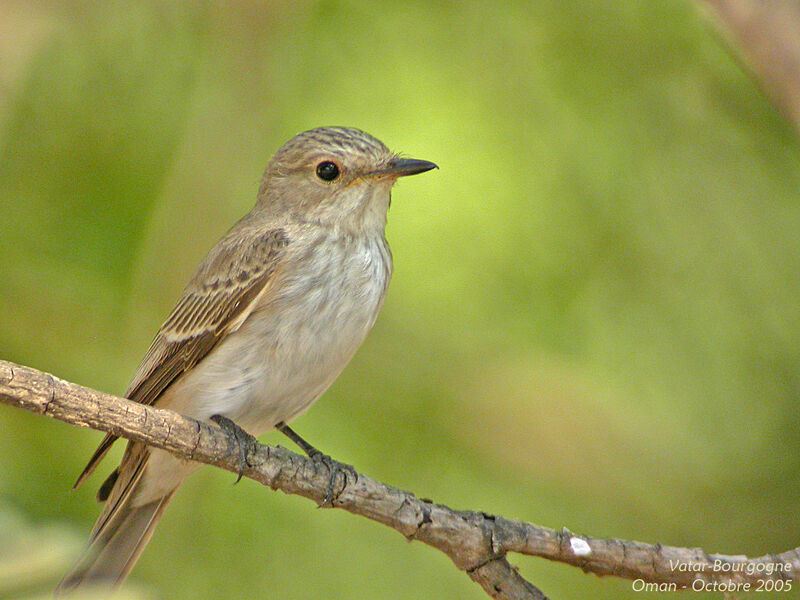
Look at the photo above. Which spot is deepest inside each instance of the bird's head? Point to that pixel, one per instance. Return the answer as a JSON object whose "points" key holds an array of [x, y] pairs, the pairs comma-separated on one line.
{"points": [[334, 176]]}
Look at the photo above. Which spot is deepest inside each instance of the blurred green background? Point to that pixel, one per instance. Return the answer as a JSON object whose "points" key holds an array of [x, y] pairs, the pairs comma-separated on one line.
{"points": [[593, 321]]}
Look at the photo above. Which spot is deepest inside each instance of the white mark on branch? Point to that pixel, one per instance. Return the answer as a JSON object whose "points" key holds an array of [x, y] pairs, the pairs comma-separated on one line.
{"points": [[579, 546], [459, 535]]}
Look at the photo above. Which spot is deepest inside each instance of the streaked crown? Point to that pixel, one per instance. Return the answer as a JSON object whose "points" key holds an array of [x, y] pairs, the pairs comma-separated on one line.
{"points": [[346, 143], [334, 176]]}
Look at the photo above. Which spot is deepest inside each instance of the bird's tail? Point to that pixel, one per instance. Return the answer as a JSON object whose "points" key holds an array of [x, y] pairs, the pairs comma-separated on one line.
{"points": [[122, 530]]}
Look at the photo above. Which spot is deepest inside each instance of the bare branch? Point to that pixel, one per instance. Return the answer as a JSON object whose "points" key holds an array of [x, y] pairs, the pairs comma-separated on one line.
{"points": [[476, 542]]}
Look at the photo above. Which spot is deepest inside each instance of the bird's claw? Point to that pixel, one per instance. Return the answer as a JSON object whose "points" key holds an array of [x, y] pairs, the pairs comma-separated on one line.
{"points": [[242, 439], [334, 467]]}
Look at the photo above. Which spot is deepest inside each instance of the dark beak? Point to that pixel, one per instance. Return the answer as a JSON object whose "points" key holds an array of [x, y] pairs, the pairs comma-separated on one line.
{"points": [[400, 167]]}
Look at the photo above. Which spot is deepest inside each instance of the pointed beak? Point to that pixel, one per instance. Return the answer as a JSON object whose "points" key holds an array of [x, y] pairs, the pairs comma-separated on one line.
{"points": [[400, 167]]}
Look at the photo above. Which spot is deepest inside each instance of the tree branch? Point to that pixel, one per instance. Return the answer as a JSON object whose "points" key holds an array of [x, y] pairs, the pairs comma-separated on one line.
{"points": [[476, 542]]}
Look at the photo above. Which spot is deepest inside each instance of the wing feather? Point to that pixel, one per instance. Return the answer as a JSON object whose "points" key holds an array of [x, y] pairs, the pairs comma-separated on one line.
{"points": [[214, 303]]}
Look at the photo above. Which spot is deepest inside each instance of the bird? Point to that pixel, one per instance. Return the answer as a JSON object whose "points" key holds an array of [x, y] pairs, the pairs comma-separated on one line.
{"points": [[271, 317]]}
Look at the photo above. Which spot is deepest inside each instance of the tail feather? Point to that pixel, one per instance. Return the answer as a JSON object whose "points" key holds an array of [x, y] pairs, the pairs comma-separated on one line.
{"points": [[110, 557], [122, 530], [127, 476], [98, 455]]}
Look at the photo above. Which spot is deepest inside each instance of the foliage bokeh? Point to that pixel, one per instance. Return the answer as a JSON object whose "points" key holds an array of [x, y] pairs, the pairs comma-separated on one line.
{"points": [[593, 317]]}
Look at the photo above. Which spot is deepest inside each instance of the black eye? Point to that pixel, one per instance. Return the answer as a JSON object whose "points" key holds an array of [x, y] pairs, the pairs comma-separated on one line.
{"points": [[327, 171]]}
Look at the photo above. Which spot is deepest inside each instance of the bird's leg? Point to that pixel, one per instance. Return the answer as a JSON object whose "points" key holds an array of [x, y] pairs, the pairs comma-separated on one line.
{"points": [[334, 467], [244, 441], [295, 437]]}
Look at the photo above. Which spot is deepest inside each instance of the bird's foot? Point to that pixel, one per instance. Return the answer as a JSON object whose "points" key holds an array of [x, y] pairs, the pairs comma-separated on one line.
{"points": [[243, 440], [334, 467]]}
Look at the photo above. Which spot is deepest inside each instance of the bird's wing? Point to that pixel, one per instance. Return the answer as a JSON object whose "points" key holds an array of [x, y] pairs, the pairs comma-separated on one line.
{"points": [[214, 304]]}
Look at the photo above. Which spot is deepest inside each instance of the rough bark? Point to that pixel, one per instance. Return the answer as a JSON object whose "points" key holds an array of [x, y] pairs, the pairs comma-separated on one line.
{"points": [[475, 541]]}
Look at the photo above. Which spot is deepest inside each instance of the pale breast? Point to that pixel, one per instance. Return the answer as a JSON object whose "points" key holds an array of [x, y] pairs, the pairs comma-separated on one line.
{"points": [[294, 344]]}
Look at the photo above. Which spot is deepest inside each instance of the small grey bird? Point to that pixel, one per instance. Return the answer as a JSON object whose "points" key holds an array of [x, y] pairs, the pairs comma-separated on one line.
{"points": [[271, 317]]}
